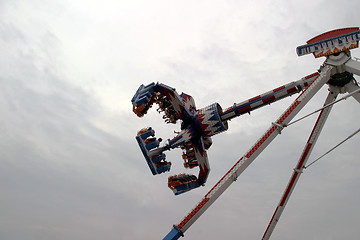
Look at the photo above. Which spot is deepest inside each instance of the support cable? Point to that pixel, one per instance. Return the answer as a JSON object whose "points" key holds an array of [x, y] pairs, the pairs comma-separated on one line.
{"points": [[350, 136], [326, 106]]}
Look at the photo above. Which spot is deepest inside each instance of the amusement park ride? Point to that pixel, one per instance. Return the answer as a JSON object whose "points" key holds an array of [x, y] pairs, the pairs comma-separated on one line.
{"points": [[199, 125]]}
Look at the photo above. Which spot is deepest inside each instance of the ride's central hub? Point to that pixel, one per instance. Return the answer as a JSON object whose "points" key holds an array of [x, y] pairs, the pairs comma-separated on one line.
{"points": [[341, 79], [209, 120]]}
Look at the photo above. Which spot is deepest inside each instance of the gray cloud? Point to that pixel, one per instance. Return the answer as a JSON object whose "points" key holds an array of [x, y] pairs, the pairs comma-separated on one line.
{"points": [[70, 166]]}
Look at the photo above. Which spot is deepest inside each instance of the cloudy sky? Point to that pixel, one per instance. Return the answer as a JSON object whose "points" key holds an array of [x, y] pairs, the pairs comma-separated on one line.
{"points": [[70, 165]]}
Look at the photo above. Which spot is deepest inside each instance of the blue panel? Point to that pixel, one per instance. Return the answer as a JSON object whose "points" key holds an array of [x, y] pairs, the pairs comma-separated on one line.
{"points": [[186, 187], [164, 168], [145, 153], [147, 134], [147, 94], [174, 234], [158, 158], [152, 145], [150, 85], [140, 92], [142, 101]]}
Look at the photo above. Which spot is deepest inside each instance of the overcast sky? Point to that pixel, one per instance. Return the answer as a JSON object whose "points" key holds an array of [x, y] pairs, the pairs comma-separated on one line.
{"points": [[70, 165]]}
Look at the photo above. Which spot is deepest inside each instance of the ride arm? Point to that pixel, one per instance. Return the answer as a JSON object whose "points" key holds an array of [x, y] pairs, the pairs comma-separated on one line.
{"points": [[267, 98]]}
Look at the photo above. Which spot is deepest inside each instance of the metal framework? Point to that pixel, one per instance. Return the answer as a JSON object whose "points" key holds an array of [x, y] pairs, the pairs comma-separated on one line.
{"points": [[337, 71], [199, 125]]}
